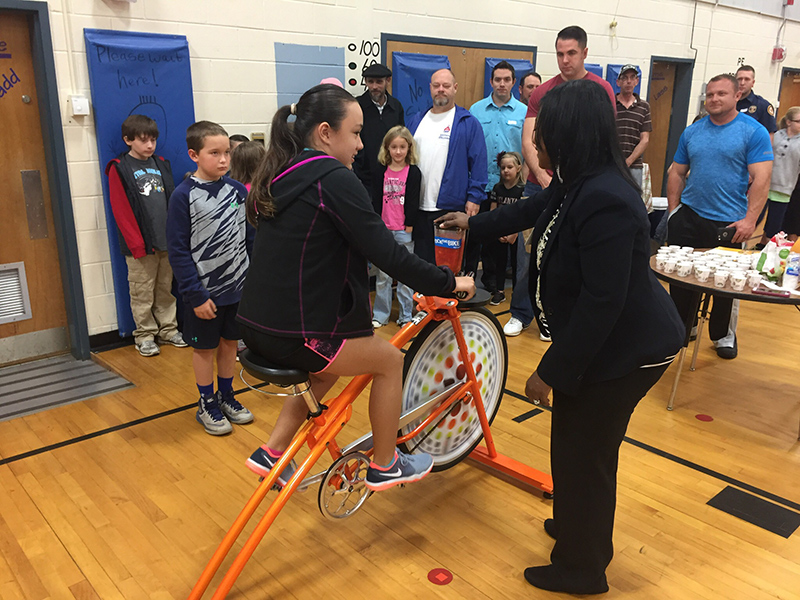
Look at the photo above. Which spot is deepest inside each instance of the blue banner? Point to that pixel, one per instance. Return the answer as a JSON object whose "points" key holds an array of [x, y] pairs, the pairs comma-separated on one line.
{"points": [[134, 73], [521, 68], [612, 74], [594, 68], [411, 79]]}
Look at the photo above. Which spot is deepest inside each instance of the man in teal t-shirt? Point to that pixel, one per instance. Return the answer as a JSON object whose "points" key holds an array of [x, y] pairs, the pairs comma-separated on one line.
{"points": [[722, 151]]}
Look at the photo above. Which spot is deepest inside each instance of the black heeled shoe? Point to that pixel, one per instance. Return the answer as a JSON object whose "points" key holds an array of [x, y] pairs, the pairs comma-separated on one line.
{"points": [[546, 577], [550, 527]]}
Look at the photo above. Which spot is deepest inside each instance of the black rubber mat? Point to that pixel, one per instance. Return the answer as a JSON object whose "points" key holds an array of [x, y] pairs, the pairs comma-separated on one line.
{"points": [[42, 384], [757, 511], [528, 415]]}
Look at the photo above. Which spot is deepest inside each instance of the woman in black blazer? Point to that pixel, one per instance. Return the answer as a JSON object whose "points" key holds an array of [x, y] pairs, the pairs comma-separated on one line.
{"points": [[615, 329]]}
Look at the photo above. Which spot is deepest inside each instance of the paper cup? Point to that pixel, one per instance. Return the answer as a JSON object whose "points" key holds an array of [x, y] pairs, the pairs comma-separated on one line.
{"points": [[698, 264], [660, 261], [703, 273], [753, 279], [687, 249], [738, 280], [670, 264], [720, 278], [684, 268]]}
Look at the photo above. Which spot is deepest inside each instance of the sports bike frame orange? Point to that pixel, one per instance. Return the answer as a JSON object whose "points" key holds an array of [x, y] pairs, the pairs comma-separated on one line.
{"points": [[319, 434]]}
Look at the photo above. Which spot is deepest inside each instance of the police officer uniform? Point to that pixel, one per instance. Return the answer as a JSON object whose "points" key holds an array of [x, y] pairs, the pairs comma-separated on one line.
{"points": [[760, 109]]}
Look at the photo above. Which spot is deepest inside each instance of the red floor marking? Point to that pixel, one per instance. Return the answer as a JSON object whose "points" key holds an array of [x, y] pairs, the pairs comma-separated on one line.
{"points": [[704, 417], [440, 576]]}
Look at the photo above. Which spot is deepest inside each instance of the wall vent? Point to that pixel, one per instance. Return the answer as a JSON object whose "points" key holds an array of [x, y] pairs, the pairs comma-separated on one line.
{"points": [[15, 302]]}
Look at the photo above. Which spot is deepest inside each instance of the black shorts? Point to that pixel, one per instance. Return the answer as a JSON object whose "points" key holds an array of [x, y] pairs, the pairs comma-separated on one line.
{"points": [[307, 354], [204, 334]]}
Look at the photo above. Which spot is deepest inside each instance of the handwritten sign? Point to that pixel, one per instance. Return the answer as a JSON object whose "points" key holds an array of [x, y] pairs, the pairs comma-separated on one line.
{"points": [[7, 82], [4, 53], [411, 79], [359, 56], [132, 73]]}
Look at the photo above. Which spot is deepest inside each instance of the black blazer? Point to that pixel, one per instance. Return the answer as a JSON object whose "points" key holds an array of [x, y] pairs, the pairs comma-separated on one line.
{"points": [[413, 190], [607, 313]]}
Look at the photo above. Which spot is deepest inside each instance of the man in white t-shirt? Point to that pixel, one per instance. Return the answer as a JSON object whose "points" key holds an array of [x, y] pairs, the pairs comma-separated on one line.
{"points": [[452, 158]]}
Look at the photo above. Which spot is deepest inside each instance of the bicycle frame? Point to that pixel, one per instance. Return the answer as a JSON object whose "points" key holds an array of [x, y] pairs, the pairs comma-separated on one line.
{"points": [[319, 433]]}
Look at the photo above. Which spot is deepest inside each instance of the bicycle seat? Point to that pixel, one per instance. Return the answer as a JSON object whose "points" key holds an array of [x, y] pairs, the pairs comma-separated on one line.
{"points": [[262, 369]]}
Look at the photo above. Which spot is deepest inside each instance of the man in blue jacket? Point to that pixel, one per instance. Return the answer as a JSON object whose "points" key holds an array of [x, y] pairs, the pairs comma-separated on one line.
{"points": [[452, 158]]}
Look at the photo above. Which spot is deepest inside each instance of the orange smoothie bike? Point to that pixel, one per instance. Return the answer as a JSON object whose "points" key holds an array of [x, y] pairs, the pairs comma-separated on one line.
{"points": [[454, 377]]}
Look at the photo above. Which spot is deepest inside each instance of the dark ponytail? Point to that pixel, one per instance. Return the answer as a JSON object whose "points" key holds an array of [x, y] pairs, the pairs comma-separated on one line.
{"points": [[325, 103]]}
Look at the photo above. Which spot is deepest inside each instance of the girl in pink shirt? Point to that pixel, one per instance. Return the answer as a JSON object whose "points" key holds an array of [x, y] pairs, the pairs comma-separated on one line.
{"points": [[399, 193]]}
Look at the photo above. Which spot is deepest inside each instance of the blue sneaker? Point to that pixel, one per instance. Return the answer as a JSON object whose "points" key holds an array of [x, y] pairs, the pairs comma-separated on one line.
{"points": [[210, 416], [232, 409], [406, 468], [260, 463]]}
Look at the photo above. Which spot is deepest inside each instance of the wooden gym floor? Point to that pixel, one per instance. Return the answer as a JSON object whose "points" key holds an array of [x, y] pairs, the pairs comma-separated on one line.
{"points": [[125, 496]]}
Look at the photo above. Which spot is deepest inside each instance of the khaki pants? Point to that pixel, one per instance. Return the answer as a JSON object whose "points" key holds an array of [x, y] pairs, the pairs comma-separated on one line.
{"points": [[152, 302]]}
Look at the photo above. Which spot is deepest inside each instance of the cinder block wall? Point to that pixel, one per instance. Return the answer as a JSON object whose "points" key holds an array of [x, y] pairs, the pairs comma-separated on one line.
{"points": [[232, 47]]}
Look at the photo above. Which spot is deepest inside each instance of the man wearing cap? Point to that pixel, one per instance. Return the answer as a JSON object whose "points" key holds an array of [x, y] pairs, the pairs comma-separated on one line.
{"points": [[751, 103], [633, 121], [382, 111]]}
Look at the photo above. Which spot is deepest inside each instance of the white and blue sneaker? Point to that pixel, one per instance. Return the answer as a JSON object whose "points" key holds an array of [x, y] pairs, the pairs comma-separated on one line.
{"points": [[233, 410], [406, 468], [210, 416]]}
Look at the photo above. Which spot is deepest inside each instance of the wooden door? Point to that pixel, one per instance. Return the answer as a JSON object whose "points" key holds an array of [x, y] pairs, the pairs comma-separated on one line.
{"points": [[661, 90], [467, 64], [790, 92], [27, 231]]}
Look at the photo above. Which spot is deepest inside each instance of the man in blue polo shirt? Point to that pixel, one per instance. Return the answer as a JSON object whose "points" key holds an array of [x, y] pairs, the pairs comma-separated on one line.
{"points": [[501, 117], [722, 151]]}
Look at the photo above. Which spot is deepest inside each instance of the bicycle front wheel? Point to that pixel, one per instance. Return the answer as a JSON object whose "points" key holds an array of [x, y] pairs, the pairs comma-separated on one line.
{"points": [[433, 364]]}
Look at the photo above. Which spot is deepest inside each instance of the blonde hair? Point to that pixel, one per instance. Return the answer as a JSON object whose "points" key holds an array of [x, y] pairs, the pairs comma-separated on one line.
{"points": [[791, 115], [395, 132], [517, 158]]}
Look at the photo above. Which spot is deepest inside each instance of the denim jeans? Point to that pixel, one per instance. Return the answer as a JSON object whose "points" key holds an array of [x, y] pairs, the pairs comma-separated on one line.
{"points": [[382, 307], [521, 307]]}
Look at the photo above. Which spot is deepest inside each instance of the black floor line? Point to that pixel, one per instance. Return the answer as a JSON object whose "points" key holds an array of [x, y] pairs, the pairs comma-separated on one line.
{"points": [[94, 434], [662, 453], [686, 463], [714, 474]]}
